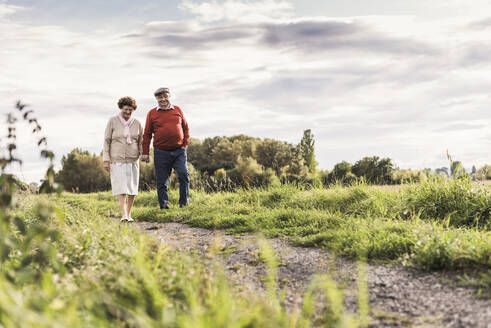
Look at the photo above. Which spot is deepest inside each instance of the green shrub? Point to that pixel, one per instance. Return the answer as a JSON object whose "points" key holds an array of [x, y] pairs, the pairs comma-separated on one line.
{"points": [[407, 176], [83, 172], [458, 202], [374, 169]]}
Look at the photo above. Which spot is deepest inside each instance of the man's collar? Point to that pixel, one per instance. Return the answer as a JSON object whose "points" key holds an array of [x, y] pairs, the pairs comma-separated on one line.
{"points": [[170, 108]]}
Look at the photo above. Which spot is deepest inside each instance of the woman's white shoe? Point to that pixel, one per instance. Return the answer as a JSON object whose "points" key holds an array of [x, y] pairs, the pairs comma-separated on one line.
{"points": [[123, 219], [130, 219]]}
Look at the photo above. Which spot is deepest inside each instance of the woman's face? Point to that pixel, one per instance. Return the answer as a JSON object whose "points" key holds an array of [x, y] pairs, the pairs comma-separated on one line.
{"points": [[126, 111]]}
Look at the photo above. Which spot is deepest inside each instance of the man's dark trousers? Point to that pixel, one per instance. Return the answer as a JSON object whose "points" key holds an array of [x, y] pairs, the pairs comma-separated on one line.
{"points": [[165, 161]]}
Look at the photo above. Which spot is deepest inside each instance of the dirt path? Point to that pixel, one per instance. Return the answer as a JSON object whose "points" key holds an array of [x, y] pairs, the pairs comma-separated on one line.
{"points": [[399, 296]]}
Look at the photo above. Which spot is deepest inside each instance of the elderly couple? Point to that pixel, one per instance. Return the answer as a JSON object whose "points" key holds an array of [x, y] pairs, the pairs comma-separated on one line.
{"points": [[125, 142]]}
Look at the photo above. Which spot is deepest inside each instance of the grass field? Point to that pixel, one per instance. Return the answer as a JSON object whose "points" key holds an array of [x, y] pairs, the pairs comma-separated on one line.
{"points": [[74, 266], [437, 225]]}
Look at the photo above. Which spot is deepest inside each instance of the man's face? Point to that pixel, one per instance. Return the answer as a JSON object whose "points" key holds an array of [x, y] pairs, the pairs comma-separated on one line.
{"points": [[163, 100]]}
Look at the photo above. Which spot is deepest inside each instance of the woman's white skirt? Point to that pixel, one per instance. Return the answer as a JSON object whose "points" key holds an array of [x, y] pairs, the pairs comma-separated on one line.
{"points": [[124, 178]]}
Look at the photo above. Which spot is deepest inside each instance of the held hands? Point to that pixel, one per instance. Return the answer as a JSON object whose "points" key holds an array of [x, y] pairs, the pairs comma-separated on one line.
{"points": [[107, 166], [145, 158]]}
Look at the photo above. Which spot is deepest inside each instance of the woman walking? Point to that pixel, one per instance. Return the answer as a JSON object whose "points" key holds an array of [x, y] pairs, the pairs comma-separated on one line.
{"points": [[122, 149]]}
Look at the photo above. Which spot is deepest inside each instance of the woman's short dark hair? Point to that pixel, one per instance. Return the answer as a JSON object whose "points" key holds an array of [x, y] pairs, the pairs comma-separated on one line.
{"points": [[127, 101]]}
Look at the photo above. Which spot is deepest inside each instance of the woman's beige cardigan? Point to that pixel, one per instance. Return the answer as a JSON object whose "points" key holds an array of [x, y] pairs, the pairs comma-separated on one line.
{"points": [[116, 150]]}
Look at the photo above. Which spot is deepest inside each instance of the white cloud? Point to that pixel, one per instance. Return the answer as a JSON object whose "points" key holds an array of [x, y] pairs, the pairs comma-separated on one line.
{"points": [[238, 11], [7, 10]]}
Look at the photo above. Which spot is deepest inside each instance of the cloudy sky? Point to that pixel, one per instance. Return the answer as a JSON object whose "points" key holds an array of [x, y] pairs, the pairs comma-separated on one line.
{"points": [[394, 78]]}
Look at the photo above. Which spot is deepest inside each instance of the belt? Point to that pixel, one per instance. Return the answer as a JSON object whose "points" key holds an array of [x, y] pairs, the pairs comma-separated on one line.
{"points": [[169, 149]]}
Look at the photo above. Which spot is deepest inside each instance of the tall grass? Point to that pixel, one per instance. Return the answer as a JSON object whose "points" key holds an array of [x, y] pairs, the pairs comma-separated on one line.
{"points": [[458, 202], [438, 224]]}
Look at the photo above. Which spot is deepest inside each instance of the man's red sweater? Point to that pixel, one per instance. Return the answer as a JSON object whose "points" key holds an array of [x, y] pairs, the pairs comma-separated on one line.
{"points": [[168, 127]]}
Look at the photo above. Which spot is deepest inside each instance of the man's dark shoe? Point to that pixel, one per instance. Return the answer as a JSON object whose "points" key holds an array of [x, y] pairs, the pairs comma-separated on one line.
{"points": [[182, 205], [165, 207]]}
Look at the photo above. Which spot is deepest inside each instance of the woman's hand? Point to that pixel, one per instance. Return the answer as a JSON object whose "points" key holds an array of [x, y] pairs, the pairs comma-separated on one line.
{"points": [[107, 166], [145, 158]]}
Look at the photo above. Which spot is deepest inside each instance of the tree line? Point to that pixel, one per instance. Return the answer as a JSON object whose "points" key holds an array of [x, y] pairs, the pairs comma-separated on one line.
{"points": [[227, 163], [217, 163]]}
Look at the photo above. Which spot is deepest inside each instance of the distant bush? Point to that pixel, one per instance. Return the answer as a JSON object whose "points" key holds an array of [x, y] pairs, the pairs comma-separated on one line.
{"points": [[407, 176], [234, 155], [484, 173], [341, 173], [147, 174], [83, 172], [374, 169], [220, 152], [267, 178]]}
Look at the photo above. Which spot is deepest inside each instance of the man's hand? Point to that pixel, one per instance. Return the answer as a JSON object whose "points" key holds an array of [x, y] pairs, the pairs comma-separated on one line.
{"points": [[107, 166], [145, 158]]}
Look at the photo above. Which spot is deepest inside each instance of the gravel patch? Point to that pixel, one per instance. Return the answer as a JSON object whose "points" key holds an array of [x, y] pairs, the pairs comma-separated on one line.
{"points": [[399, 296]]}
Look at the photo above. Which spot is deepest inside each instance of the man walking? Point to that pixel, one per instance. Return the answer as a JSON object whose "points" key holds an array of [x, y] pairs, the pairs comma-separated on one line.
{"points": [[170, 132]]}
